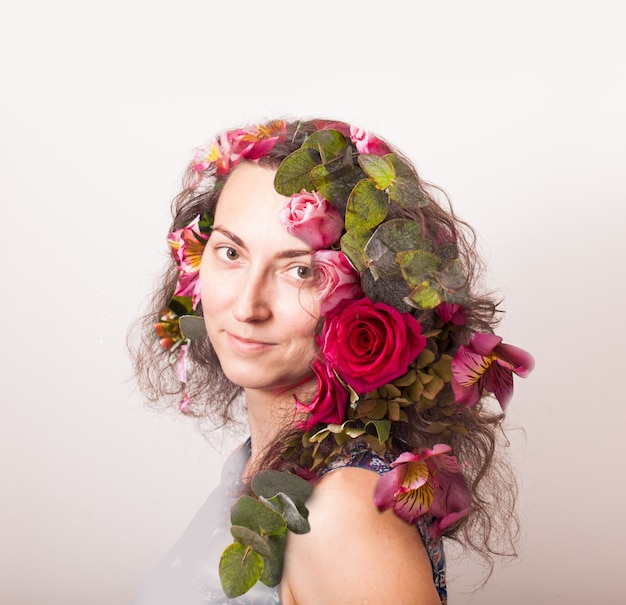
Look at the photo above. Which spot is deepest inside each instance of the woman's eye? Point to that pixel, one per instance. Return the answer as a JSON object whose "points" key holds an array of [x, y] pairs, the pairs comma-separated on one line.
{"points": [[228, 253], [302, 271]]}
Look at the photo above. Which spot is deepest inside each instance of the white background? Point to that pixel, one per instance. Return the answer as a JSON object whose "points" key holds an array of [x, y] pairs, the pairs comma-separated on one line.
{"points": [[517, 110]]}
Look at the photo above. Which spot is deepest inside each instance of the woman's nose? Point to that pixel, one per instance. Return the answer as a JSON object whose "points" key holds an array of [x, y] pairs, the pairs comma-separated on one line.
{"points": [[252, 300]]}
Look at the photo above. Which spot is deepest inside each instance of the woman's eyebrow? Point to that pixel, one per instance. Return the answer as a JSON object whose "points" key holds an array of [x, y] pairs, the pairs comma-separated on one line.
{"points": [[230, 235], [283, 254]]}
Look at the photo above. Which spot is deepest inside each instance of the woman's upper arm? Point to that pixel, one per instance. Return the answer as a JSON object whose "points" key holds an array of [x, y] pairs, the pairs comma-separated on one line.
{"points": [[354, 553]]}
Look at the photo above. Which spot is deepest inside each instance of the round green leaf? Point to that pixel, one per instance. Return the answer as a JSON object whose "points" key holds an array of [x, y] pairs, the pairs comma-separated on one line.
{"points": [[353, 243], [269, 483], [293, 174], [240, 568], [367, 206], [425, 296], [296, 517], [379, 169], [258, 517], [273, 564], [405, 190], [247, 537], [417, 266], [330, 144], [335, 181]]}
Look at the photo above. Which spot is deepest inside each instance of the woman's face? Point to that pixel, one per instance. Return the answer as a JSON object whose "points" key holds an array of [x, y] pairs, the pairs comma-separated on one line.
{"points": [[258, 292]]}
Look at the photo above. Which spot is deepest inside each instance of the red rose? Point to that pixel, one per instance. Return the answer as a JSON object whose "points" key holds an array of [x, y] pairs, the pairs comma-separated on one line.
{"points": [[370, 344], [329, 404]]}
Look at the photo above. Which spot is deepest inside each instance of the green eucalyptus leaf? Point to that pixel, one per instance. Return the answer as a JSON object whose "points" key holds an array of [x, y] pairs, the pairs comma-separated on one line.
{"points": [[451, 276], [240, 568], [379, 169], [391, 291], [293, 174], [417, 266], [296, 517], [335, 181], [367, 206], [353, 243], [273, 564], [448, 251], [249, 512], [391, 238], [193, 327], [247, 537], [424, 296], [405, 190], [269, 483], [330, 144]]}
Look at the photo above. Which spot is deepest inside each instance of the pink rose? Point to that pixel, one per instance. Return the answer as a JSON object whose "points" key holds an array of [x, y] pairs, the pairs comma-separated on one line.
{"points": [[338, 280], [370, 344], [367, 143], [329, 404], [313, 219]]}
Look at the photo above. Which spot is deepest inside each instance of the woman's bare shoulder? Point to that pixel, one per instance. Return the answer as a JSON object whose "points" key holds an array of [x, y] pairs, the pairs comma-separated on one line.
{"points": [[354, 553]]}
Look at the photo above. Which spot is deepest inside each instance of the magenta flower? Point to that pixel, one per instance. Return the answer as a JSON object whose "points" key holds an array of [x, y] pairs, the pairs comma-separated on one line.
{"points": [[330, 401], [338, 280], [227, 150], [486, 364], [454, 314], [370, 344], [367, 143], [428, 482], [187, 246], [313, 219]]}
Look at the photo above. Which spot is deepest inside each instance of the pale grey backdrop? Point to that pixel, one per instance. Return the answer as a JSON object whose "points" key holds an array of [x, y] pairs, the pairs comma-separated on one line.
{"points": [[517, 110]]}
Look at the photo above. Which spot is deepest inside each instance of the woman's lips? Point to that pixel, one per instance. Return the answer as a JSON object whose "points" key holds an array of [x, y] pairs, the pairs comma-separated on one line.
{"points": [[247, 345]]}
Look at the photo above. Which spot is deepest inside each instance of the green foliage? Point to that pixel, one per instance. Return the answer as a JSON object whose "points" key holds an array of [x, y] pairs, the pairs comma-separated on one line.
{"points": [[259, 527], [398, 264], [294, 173], [240, 568]]}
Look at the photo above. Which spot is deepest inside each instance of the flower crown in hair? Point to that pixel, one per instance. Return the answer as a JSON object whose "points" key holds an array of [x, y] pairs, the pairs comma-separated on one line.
{"points": [[349, 197]]}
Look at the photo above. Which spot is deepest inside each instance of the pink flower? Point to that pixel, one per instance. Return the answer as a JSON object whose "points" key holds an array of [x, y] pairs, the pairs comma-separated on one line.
{"points": [[454, 314], [427, 482], [338, 280], [313, 219], [367, 143], [227, 150], [187, 246], [370, 344], [487, 364], [329, 404]]}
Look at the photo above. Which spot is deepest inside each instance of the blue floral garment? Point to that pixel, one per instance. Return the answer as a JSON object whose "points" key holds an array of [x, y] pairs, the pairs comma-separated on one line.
{"points": [[188, 575]]}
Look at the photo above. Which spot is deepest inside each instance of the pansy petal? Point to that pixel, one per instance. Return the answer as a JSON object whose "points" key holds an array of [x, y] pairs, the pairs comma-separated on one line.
{"points": [[386, 489], [469, 366], [499, 381], [413, 504], [519, 361], [414, 476]]}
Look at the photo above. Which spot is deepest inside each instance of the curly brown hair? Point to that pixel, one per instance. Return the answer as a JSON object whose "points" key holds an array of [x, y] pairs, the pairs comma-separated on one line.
{"points": [[492, 526]]}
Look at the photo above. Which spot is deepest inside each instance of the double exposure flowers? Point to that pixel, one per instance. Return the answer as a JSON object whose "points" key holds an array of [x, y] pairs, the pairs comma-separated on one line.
{"points": [[427, 482], [486, 363]]}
